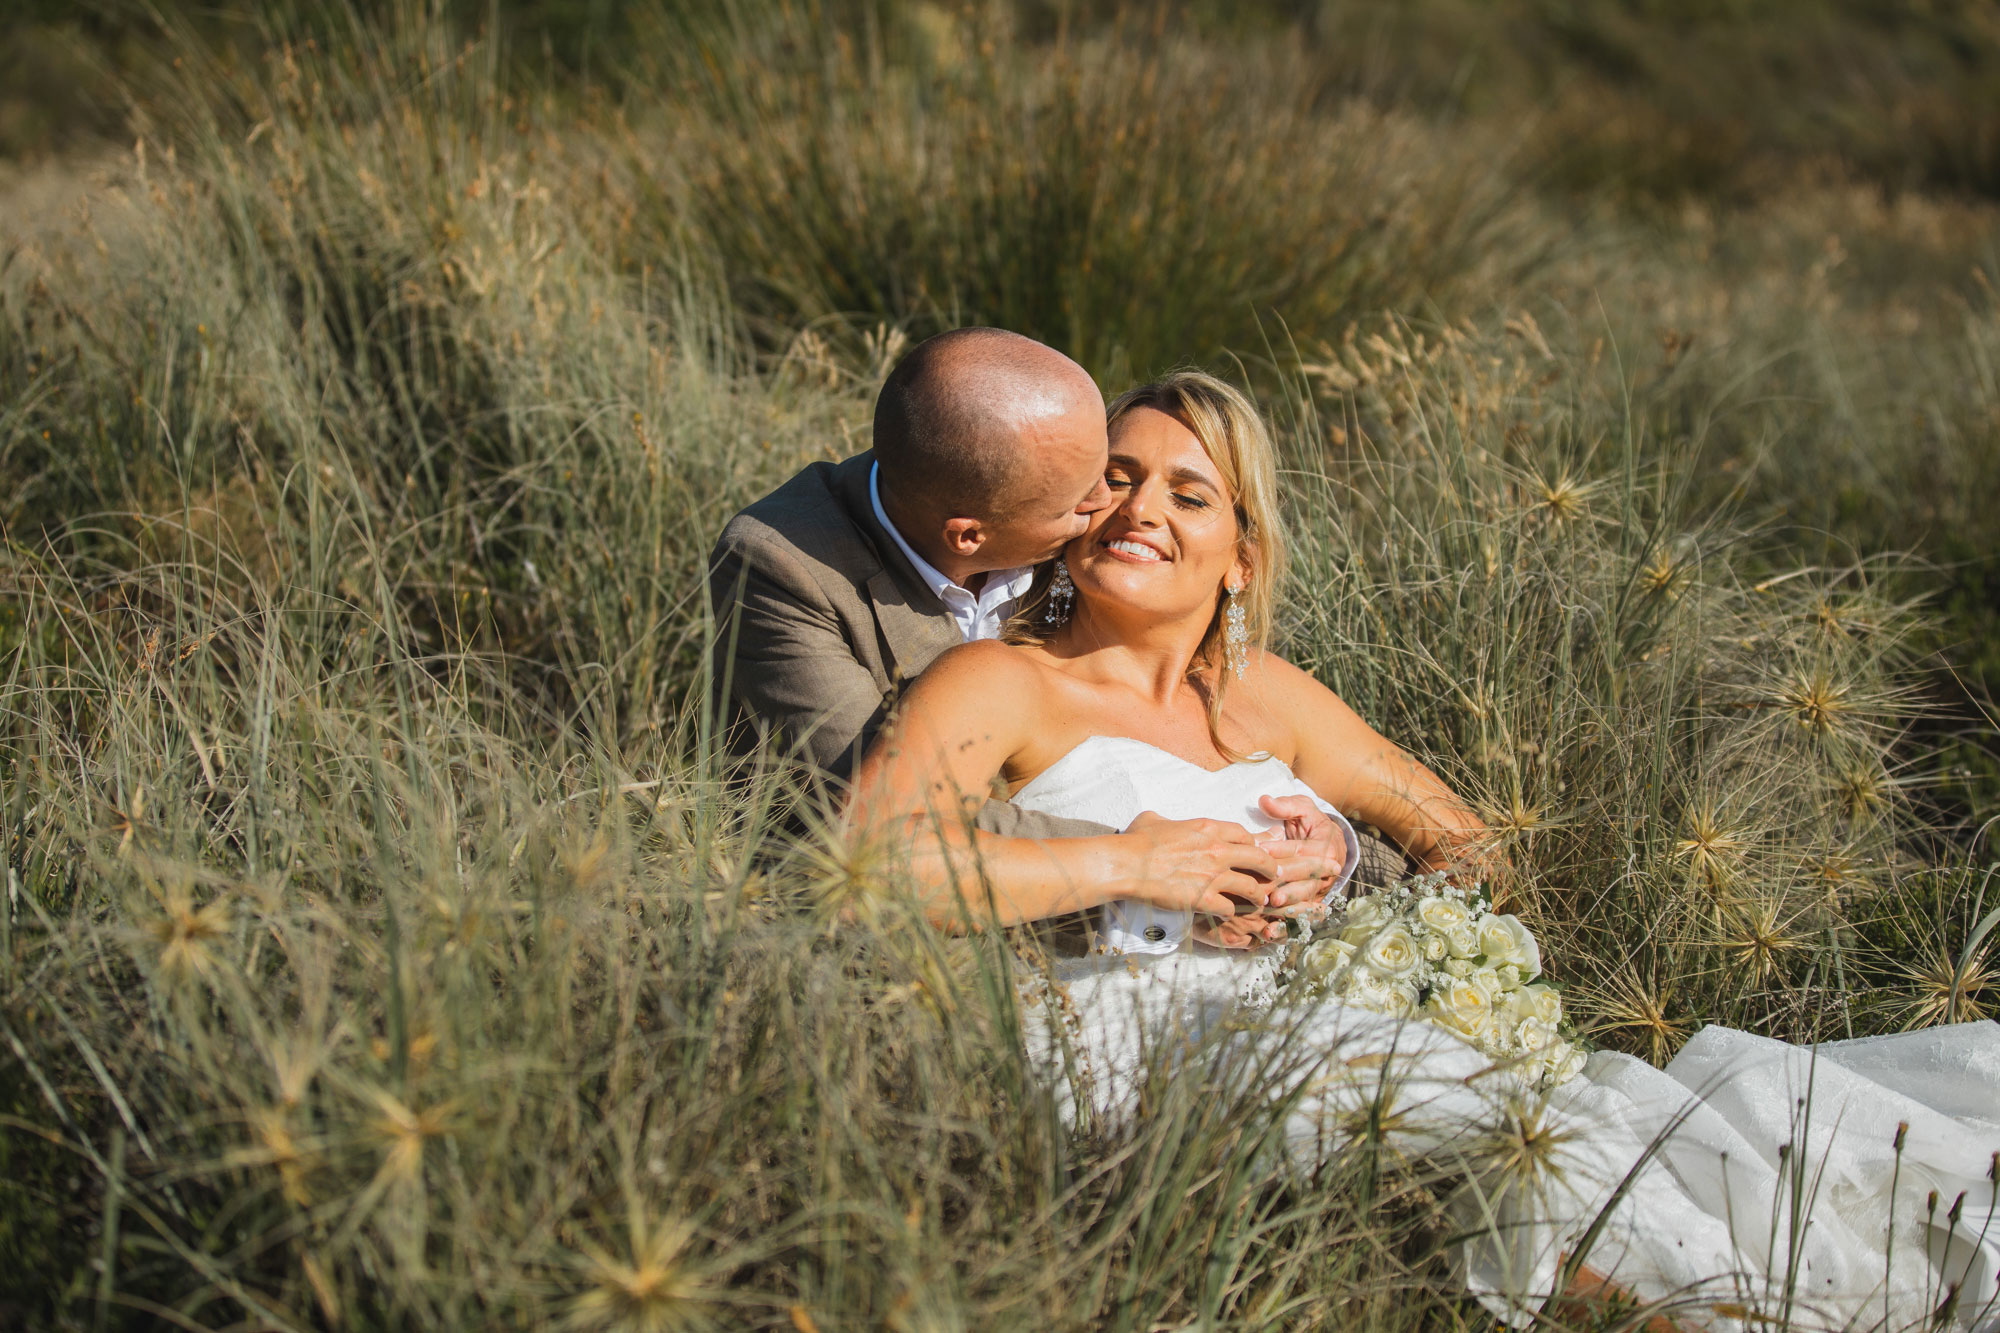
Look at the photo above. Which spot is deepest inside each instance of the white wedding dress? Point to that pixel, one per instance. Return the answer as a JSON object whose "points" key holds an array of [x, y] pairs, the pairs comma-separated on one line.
{"points": [[1776, 1186]]}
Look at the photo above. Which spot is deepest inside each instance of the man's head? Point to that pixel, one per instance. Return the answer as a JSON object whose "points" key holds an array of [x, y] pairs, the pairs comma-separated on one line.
{"points": [[992, 450]]}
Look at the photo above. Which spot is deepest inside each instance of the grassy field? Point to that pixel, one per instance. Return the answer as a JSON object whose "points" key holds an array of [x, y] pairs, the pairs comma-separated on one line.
{"points": [[386, 945]]}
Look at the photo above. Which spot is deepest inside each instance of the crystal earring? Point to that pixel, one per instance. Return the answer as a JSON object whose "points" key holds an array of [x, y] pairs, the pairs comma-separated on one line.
{"points": [[1235, 636], [1061, 593]]}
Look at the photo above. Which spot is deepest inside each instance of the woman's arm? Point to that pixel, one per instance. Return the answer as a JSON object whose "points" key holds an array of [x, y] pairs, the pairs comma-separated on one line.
{"points": [[957, 728], [1360, 771]]}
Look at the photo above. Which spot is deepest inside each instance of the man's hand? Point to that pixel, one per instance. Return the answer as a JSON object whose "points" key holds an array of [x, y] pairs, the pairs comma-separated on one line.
{"points": [[1207, 866], [1310, 852]]}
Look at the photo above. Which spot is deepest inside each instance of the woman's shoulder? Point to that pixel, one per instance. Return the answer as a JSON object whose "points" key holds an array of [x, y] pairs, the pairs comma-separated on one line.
{"points": [[983, 664], [1280, 700], [1272, 674]]}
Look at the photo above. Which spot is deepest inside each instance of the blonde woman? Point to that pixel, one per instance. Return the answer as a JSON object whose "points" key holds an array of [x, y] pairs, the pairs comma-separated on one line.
{"points": [[1148, 643], [1138, 687]]}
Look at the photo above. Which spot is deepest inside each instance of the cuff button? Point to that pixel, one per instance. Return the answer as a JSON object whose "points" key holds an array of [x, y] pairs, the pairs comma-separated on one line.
{"points": [[1156, 933]]}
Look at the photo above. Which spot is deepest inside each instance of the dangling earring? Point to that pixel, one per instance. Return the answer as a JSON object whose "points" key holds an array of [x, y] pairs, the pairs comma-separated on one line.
{"points": [[1235, 636], [1061, 592]]}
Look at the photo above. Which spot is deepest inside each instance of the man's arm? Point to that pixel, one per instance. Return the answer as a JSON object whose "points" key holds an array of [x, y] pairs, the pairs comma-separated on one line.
{"points": [[782, 658], [1011, 821]]}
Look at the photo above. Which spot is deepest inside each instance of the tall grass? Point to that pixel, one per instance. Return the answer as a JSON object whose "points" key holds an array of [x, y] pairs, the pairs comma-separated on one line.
{"points": [[1129, 195], [385, 944]]}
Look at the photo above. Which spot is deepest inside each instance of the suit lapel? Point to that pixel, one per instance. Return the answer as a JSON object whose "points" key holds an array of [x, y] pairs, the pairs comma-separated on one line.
{"points": [[915, 625], [912, 634]]}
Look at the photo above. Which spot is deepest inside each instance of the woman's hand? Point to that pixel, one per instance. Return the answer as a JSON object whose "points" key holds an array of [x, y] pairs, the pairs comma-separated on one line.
{"points": [[1208, 866], [1243, 932], [1311, 854]]}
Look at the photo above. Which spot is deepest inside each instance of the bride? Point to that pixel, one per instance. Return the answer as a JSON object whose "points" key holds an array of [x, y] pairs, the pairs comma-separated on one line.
{"points": [[1851, 1184]]}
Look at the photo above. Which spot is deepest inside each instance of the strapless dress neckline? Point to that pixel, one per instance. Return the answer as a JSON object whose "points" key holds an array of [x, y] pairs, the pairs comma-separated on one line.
{"points": [[1073, 755], [1112, 780]]}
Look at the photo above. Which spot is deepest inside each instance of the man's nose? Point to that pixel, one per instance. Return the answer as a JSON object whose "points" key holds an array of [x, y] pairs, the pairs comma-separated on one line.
{"points": [[1099, 498]]}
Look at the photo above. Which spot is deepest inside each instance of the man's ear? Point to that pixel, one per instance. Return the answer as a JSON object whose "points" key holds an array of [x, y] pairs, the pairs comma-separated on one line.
{"points": [[964, 536]]}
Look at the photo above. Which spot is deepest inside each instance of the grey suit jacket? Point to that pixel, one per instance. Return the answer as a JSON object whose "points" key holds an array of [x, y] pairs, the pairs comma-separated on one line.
{"points": [[820, 619]]}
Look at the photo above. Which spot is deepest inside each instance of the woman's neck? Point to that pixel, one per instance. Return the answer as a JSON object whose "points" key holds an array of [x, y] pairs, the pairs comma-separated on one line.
{"points": [[1151, 657]]}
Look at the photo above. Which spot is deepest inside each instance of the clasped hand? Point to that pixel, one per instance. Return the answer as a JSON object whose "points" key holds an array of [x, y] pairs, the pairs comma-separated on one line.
{"points": [[1238, 880]]}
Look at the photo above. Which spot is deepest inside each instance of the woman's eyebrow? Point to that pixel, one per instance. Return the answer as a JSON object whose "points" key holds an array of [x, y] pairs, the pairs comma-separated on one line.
{"points": [[1187, 476], [1180, 476]]}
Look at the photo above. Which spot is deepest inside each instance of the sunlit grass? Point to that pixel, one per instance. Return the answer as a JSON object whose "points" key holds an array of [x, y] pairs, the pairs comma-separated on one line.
{"points": [[388, 944]]}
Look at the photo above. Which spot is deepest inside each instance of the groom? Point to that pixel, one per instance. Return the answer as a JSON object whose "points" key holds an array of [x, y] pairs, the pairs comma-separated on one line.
{"points": [[849, 579]]}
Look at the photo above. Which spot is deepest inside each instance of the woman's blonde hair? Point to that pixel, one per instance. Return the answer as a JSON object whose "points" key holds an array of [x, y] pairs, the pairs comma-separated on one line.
{"points": [[1232, 433]]}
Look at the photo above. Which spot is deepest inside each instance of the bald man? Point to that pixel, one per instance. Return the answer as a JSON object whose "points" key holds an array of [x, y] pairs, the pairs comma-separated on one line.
{"points": [[848, 580]]}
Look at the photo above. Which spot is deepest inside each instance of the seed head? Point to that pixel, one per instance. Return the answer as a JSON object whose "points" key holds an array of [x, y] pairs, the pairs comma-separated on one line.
{"points": [[404, 1132], [1948, 993], [1634, 1004], [1564, 498], [1711, 845], [1817, 702], [181, 938], [655, 1287], [1759, 940]]}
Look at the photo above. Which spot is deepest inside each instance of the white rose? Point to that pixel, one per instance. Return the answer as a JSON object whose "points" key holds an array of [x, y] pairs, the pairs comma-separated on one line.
{"points": [[1543, 1002], [1370, 911], [1463, 1008], [1555, 1062], [1324, 957], [1365, 989], [1464, 940], [1510, 976], [1435, 948], [1534, 1036], [1503, 939], [1392, 953], [1443, 914], [1458, 967], [1488, 982]]}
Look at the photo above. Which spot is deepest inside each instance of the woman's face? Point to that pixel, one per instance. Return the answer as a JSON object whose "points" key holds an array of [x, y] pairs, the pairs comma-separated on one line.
{"points": [[1167, 542]]}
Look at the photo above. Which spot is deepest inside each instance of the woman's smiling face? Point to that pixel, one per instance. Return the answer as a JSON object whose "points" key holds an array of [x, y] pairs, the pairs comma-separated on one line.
{"points": [[1168, 542]]}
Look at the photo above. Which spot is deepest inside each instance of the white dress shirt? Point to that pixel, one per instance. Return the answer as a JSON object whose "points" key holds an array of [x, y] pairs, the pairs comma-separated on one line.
{"points": [[979, 615]]}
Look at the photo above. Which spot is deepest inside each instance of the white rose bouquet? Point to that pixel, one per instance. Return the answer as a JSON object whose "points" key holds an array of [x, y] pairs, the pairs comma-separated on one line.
{"points": [[1428, 949]]}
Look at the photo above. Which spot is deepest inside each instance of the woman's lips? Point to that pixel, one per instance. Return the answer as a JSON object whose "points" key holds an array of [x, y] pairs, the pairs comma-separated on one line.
{"points": [[1135, 551]]}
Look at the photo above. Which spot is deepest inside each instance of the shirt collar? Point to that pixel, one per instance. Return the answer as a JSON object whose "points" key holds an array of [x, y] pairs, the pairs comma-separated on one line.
{"points": [[1000, 584]]}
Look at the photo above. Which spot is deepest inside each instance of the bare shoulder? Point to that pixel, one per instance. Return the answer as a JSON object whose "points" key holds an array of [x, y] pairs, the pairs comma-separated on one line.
{"points": [[987, 659], [985, 671], [975, 703], [1281, 682], [1285, 705]]}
